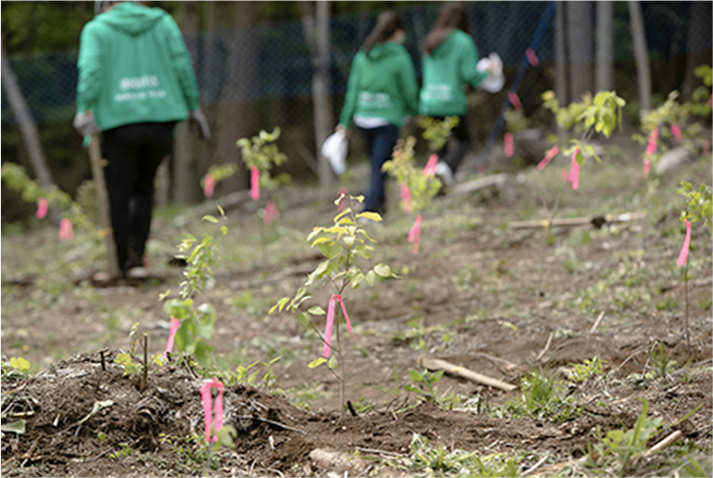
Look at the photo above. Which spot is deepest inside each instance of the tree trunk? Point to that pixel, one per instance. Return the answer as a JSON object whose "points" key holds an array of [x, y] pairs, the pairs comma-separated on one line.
{"points": [[580, 26], [28, 129], [605, 45], [697, 44], [236, 111], [561, 59], [643, 69], [185, 188], [316, 32]]}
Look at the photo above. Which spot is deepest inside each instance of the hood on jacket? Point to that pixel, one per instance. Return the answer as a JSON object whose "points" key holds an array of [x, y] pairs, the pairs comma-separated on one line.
{"points": [[131, 18], [447, 44], [384, 50]]}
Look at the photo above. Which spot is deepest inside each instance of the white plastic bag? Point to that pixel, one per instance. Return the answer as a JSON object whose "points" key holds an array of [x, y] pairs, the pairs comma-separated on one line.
{"points": [[335, 149], [495, 80]]}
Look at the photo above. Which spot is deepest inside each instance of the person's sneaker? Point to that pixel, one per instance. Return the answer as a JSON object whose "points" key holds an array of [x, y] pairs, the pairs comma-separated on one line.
{"points": [[137, 273]]}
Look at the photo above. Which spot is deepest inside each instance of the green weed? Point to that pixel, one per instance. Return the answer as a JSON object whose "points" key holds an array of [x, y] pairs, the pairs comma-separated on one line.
{"points": [[543, 397], [620, 448], [581, 372]]}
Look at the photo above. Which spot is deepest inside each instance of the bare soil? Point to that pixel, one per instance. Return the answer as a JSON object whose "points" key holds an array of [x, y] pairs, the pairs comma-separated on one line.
{"points": [[468, 297]]}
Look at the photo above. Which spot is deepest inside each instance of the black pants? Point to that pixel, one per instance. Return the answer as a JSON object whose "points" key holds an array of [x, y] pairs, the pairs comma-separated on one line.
{"points": [[134, 153], [461, 141]]}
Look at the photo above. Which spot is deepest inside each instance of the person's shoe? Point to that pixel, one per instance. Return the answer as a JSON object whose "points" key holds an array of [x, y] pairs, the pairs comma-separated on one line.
{"points": [[137, 273]]}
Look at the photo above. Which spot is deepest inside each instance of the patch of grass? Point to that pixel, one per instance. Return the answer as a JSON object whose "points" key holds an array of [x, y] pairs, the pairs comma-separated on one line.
{"points": [[543, 397], [620, 449], [581, 372]]}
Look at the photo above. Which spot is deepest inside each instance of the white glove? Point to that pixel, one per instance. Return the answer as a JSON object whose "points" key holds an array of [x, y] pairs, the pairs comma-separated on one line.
{"points": [[198, 120], [85, 124]]}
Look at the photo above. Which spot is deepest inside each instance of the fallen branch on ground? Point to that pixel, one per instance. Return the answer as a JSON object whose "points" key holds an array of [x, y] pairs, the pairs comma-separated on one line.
{"points": [[597, 221], [431, 363]]}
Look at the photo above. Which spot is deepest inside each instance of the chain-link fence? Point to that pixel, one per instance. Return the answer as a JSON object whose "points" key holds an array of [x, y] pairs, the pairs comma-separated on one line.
{"points": [[259, 77]]}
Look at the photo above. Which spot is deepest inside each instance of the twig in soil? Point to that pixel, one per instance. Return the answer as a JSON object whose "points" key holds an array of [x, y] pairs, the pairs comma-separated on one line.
{"points": [[462, 372], [144, 377], [596, 323], [351, 409], [272, 422], [535, 466], [508, 364], [547, 347], [372, 451], [664, 443], [101, 354]]}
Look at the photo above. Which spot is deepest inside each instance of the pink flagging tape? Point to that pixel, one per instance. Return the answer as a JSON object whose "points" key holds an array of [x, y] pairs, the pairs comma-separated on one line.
{"points": [[406, 197], [651, 147], [564, 174], [66, 230], [574, 170], [271, 212], [430, 168], [515, 100], [676, 132], [509, 146], [342, 193], [647, 167], [549, 156], [414, 235], [683, 256], [42, 206], [208, 185], [532, 57], [172, 329], [207, 400], [255, 183], [330, 322]]}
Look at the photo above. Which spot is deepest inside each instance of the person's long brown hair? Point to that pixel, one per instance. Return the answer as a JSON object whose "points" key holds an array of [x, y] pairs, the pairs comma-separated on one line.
{"points": [[387, 23], [453, 16]]}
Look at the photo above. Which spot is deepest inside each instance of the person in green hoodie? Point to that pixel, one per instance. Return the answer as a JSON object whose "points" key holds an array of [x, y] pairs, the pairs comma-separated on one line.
{"points": [[381, 91], [136, 81], [449, 66]]}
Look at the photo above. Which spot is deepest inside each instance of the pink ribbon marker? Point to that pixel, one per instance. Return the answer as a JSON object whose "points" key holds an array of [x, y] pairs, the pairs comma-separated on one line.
{"points": [[515, 100], [208, 185], [531, 57], [66, 231], [330, 322], [676, 132], [683, 257], [549, 156], [480, 168], [406, 196], [271, 213], [172, 329], [651, 147], [207, 400], [41, 208], [342, 193], [414, 235], [564, 174], [574, 170], [509, 147], [647, 167], [430, 168], [255, 183]]}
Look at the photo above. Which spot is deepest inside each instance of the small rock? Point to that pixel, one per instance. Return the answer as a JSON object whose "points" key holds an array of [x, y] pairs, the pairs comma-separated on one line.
{"points": [[336, 461]]}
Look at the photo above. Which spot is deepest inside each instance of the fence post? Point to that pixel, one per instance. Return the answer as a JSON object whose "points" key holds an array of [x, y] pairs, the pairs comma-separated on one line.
{"points": [[27, 128]]}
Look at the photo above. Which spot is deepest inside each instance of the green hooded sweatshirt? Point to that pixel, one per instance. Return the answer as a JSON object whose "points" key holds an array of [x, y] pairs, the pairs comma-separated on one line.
{"points": [[134, 68], [445, 71], [381, 84]]}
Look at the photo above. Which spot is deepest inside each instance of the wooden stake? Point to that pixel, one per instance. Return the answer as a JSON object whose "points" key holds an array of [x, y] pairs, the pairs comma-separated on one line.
{"points": [[665, 442], [103, 205], [431, 363]]}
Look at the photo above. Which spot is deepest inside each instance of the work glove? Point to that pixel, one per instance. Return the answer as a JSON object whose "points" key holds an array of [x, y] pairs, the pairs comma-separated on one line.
{"points": [[198, 120], [85, 124]]}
